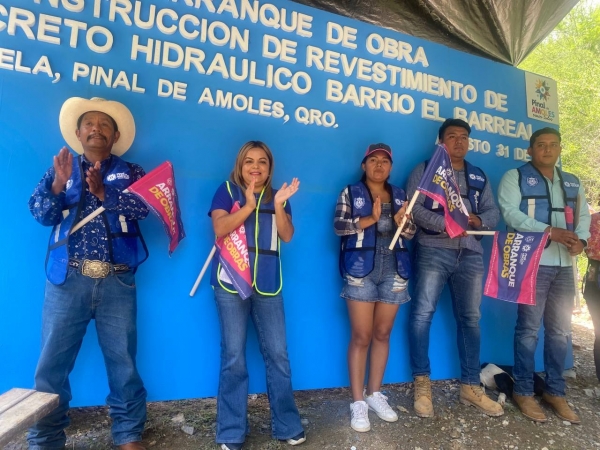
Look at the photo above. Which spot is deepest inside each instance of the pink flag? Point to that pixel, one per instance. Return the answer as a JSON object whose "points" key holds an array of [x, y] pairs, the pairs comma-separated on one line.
{"points": [[514, 265], [233, 256], [157, 191], [439, 184]]}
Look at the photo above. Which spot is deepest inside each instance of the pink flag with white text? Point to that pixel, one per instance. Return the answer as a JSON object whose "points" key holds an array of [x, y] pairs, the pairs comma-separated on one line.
{"points": [[514, 265], [234, 259], [157, 190]]}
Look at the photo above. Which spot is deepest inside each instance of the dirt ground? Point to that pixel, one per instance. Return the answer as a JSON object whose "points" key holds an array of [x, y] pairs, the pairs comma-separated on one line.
{"points": [[190, 424]]}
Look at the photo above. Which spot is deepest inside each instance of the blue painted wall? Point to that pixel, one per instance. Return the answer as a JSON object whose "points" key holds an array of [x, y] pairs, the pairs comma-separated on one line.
{"points": [[179, 335]]}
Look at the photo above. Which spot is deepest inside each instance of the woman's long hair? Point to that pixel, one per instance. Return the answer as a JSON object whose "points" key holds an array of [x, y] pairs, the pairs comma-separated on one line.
{"points": [[236, 173]]}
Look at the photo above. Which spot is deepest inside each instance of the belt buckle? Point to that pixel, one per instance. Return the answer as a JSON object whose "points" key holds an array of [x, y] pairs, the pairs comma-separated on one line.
{"points": [[95, 269]]}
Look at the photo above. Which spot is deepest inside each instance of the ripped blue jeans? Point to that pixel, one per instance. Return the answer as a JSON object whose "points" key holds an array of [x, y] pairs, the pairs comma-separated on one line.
{"points": [[554, 304]]}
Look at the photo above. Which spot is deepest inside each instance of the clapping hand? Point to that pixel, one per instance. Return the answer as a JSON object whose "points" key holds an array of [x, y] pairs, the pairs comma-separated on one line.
{"points": [[376, 212], [286, 191], [63, 166], [250, 198], [93, 178]]}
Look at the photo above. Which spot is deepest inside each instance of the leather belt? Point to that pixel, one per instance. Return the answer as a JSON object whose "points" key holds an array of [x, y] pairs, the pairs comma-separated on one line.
{"points": [[97, 269]]}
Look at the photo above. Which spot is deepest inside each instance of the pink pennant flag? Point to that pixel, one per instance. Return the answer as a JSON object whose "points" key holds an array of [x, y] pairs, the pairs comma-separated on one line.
{"points": [[157, 191], [234, 259]]}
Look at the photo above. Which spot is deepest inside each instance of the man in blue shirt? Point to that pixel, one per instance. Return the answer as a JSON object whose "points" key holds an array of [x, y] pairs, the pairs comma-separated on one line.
{"points": [[90, 273], [457, 262], [538, 196]]}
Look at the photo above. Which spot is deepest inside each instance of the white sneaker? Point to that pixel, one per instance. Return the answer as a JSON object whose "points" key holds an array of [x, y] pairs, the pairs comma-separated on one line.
{"points": [[297, 440], [359, 412], [378, 403], [231, 446]]}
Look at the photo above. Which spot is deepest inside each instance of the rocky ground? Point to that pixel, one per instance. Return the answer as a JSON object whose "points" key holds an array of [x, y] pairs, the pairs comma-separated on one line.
{"points": [[190, 424]]}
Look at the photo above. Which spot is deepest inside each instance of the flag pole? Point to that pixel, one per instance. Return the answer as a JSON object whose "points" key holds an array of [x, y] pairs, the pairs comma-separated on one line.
{"points": [[404, 219], [204, 267], [87, 219], [91, 216], [481, 233]]}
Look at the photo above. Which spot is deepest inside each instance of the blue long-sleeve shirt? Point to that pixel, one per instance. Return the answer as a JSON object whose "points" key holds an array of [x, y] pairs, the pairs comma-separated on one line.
{"points": [[90, 241]]}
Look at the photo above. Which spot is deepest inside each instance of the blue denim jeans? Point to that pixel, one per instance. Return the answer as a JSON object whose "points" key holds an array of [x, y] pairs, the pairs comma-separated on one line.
{"points": [[463, 271], [232, 400], [68, 309], [554, 304]]}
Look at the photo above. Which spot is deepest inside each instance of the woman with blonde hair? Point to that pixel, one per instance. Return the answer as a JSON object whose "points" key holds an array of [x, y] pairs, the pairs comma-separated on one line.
{"points": [[267, 217]]}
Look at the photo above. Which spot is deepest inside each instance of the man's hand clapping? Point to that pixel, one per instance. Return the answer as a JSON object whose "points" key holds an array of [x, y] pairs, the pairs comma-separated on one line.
{"points": [[63, 166]]}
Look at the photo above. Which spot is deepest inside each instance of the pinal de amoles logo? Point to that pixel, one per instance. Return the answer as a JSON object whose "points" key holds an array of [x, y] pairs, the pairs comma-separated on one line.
{"points": [[542, 89], [541, 98]]}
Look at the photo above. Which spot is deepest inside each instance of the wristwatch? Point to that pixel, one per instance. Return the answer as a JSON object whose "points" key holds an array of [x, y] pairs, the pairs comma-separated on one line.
{"points": [[584, 242]]}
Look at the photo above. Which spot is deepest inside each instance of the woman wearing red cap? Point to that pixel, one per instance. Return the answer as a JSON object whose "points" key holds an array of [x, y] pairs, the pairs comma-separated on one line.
{"points": [[375, 278]]}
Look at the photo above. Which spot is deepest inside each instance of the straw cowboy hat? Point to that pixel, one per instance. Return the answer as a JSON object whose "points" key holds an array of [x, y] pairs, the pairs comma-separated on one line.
{"points": [[75, 107]]}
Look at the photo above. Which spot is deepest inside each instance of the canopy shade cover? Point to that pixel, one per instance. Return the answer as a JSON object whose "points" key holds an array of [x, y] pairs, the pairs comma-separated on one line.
{"points": [[501, 30]]}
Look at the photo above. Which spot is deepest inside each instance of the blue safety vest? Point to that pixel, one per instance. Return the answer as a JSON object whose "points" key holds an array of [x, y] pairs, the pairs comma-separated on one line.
{"points": [[125, 242], [476, 181], [535, 193], [263, 247], [357, 251]]}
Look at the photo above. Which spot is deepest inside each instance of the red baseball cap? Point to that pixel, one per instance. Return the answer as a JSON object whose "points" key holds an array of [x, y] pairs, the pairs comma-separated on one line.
{"points": [[380, 147]]}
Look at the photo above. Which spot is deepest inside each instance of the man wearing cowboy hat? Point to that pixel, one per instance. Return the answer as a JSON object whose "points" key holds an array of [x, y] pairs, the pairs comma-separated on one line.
{"points": [[90, 273]]}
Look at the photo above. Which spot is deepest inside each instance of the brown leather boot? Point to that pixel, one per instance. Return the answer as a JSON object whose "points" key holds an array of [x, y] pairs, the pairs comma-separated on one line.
{"points": [[561, 408], [529, 407], [474, 396], [423, 405]]}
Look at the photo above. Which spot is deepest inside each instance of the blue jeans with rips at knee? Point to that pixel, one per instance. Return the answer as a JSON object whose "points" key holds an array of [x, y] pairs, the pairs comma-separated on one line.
{"points": [[232, 401], [554, 304], [463, 271], [68, 309]]}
